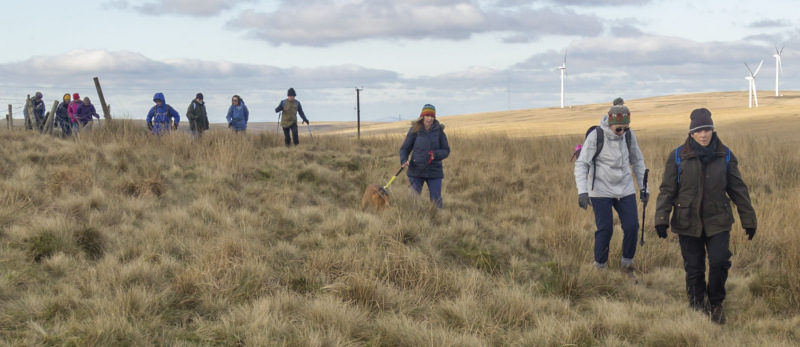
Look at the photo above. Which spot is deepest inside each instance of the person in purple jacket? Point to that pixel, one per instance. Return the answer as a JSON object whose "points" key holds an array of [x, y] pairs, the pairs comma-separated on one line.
{"points": [[84, 114]]}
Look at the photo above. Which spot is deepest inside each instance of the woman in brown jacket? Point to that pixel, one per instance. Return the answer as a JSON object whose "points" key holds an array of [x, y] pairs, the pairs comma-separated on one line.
{"points": [[701, 178]]}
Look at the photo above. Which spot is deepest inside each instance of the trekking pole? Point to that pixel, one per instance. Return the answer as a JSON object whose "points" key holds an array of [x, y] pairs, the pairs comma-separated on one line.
{"points": [[277, 128], [309, 130], [644, 203]]}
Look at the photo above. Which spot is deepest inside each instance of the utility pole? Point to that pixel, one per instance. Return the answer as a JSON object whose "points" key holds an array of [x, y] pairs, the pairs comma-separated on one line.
{"points": [[358, 110]]}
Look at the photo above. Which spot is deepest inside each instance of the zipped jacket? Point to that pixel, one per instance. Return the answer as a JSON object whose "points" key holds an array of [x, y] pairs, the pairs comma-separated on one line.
{"points": [[700, 204], [419, 145]]}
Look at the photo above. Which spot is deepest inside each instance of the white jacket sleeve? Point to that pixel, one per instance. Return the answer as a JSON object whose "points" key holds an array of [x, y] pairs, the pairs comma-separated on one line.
{"points": [[583, 165], [637, 161]]}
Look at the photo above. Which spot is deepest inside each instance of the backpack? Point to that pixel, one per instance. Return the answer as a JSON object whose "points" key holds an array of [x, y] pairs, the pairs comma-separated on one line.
{"points": [[600, 142], [169, 114], [678, 160]]}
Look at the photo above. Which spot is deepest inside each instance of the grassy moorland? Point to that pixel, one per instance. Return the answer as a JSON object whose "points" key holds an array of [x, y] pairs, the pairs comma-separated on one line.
{"points": [[119, 238]]}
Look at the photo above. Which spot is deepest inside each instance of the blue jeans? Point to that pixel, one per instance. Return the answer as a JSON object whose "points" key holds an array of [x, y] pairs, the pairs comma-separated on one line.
{"points": [[604, 219], [434, 188]]}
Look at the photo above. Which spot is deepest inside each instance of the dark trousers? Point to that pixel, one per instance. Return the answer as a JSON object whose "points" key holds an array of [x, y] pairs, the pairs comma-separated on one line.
{"points": [[286, 138], [434, 188], [604, 220], [694, 251]]}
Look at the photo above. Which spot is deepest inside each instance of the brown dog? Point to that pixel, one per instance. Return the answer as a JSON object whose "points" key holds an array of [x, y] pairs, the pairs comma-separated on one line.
{"points": [[376, 197]]}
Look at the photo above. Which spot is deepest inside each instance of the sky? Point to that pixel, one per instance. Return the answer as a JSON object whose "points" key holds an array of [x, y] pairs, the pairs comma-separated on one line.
{"points": [[462, 56]]}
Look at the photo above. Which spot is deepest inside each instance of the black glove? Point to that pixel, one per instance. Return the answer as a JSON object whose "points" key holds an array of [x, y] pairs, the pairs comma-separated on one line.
{"points": [[175, 126], [149, 125], [750, 233], [644, 196], [583, 200], [306, 122], [661, 230]]}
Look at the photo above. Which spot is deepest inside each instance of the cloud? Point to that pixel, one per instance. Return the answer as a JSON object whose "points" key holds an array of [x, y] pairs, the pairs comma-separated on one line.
{"points": [[770, 23], [195, 8], [327, 22]]}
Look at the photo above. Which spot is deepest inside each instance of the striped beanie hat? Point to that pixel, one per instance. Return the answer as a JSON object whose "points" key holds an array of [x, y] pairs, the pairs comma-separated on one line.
{"points": [[619, 113], [428, 110]]}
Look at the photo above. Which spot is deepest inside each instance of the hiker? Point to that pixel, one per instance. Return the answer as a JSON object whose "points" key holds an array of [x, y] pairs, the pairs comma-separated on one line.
{"points": [[603, 178], [198, 118], [427, 144], [161, 115], [73, 107], [38, 113], [238, 115], [290, 108], [62, 116], [84, 114], [701, 178]]}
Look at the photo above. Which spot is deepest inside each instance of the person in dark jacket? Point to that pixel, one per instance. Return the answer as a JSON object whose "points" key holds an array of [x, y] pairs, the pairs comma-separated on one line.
{"points": [[238, 115], [701, 178], [161, 115], [427, 145], [84, 114], [289, 109], [36, 120], [198, 118], [62, 117]]}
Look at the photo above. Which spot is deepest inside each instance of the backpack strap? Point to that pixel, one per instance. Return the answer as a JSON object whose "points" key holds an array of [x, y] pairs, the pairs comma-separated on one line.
{"points": [[678, 161], [600, 139]]}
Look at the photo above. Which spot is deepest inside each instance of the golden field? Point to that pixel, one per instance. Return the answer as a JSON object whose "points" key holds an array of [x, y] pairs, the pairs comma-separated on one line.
{"points": [[117, 238]]}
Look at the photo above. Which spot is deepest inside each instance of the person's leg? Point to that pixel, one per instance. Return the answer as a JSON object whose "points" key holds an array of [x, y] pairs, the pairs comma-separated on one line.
{"points": [[693, 250], [604, 220], [629, 220], [435, 190], [294, 134], [286, 139], [416, 183], [719, 262]]}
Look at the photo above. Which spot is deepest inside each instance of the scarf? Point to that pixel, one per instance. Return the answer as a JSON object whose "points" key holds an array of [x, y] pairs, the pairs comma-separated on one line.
{"points": [[705, 153]]}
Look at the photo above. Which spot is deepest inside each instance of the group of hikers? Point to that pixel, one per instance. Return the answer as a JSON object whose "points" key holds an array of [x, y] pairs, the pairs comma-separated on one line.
{"points": [[701, 178], [162, 118], [72, 114]]}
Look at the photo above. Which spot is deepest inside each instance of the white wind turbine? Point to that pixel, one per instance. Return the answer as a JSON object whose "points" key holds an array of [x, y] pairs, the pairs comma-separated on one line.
{"points": [[563, 69], [752, 78], [778, 69]]}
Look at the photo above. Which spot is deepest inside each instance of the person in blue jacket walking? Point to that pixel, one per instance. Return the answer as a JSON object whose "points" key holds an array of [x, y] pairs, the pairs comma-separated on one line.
{"points": [[161, 115], [238, 115], [427, 145]]}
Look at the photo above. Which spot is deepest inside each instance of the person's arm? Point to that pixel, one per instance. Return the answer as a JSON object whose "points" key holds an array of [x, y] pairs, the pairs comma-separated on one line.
{"points": [[246, 113], [444, 147], [667, 191], [407, 146], [280, 107], [584, 162], [300, 111], [229, 117], [738, 192], [150, 115], [176, 117], [190, 112], [637, 162]]}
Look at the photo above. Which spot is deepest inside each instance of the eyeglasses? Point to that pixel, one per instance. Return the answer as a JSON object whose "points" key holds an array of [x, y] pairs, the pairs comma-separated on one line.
{"points": [[621, 130]]}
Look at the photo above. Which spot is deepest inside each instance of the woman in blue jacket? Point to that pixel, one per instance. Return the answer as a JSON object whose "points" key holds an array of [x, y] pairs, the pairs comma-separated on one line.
{"points": [[237, 114], [427, 145]]}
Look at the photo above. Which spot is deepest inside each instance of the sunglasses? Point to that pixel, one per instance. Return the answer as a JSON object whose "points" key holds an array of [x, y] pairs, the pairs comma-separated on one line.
{"points": [[621, 129]]}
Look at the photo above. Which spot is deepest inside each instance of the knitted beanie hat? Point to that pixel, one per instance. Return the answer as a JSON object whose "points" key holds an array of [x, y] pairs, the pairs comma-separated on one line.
{"points": [[76, 97], [619, 113], [199, 96], [291, 92], [701, 119], [428, 110], [66, 97], [38, 95]]}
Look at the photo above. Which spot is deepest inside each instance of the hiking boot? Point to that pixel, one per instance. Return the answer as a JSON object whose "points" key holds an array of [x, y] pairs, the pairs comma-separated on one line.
{"points": [[700, 306], [630, 272], [717, 314]]}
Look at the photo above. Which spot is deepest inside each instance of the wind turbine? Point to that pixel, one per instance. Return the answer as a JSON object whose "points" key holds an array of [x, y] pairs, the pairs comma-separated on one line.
{"points": [[778, 68], [752, 78], [563, 69]]}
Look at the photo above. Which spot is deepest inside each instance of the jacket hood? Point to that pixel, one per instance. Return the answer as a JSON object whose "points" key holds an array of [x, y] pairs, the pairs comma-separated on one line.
{"points": [[159, 96]]}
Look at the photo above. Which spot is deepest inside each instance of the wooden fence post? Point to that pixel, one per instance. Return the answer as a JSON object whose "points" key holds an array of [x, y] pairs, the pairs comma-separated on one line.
{"points": [[10, 118], [48, 124], [29, 114], [106, 111]]}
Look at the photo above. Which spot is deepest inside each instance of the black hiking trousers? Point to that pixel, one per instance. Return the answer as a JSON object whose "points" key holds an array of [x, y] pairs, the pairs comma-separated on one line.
{"points": [[293, 129], [694, 250]]}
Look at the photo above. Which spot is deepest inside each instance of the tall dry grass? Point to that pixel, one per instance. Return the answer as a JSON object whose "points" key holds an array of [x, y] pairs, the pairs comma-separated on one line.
{"points": [[120, 238]]}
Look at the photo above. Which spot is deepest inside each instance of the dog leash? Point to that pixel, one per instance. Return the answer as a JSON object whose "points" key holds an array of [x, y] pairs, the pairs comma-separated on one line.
{"points": [[383, 190]]}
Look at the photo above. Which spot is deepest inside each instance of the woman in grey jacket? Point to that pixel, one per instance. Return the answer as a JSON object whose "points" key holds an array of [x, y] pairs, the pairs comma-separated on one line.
{"points": [[606, 183]]}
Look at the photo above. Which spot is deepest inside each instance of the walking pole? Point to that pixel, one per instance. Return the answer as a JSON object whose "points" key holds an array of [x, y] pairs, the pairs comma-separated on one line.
{"points": [[277, 128], [644, 204], [309, 130]]}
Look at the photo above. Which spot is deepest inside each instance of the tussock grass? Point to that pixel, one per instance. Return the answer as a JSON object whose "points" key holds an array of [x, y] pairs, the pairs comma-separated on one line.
{"points": [[117, 237]]}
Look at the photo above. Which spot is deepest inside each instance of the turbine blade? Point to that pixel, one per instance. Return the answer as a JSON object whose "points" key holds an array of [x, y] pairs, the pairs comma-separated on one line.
{"points": [[758, 68], [781, 51], [748, 69]]}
